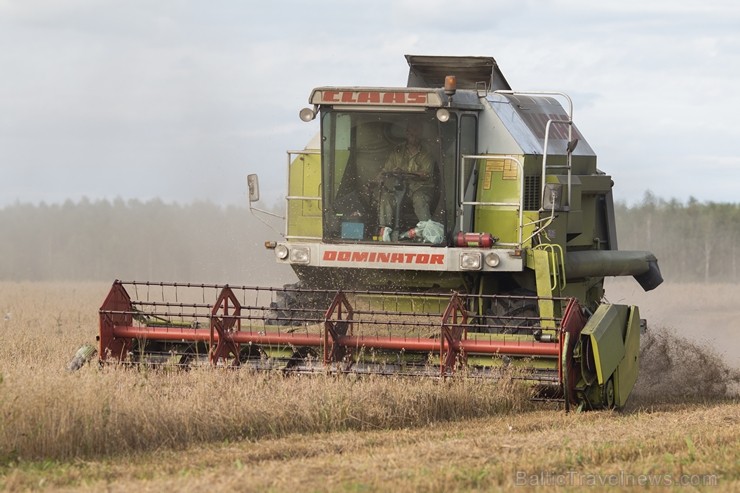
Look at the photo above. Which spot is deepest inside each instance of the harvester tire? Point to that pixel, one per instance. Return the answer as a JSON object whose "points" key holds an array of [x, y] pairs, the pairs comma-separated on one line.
{"points": [[290, 305], [513, 316]]}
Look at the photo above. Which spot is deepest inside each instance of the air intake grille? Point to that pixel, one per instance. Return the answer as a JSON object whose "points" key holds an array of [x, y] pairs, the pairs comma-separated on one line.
{"points": [[532, 192]]}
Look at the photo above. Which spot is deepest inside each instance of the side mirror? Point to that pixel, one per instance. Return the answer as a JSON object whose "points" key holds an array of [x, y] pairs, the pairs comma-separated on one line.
{"points": [[254, 195], [254, 188]]}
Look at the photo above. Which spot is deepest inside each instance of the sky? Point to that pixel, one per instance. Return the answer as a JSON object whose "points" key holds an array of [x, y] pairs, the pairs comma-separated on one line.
{"points": [[181, 99]]}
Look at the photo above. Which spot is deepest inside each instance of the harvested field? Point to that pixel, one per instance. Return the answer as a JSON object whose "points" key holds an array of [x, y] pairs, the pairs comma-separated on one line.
{"points": [[149, 430]]}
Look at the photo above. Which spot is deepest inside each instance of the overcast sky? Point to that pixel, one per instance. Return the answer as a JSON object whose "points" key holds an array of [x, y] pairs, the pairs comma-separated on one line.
{"points": [[180, 99]]}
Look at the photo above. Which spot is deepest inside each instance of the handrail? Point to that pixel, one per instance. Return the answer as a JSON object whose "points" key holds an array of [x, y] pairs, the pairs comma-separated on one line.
{"points": [[544, 158], [519, 205], [555, 252], [568, 122], [289, 197]]}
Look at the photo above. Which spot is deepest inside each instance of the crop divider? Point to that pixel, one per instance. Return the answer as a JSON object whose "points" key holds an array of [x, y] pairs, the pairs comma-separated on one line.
{"points": [[454, 320], [335, 328], [222, 324]]}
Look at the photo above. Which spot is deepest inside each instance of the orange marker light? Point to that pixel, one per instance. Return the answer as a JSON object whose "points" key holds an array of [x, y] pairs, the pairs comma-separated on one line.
{"points": [[450, 85]]}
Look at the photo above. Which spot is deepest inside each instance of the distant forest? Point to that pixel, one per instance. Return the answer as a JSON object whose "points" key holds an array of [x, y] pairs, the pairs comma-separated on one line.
{"points": [[694, 241], [133, 240], [202, 242]]}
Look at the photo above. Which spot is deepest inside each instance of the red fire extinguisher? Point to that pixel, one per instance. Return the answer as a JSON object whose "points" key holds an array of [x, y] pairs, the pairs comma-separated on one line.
{"points": [[480, 240]]}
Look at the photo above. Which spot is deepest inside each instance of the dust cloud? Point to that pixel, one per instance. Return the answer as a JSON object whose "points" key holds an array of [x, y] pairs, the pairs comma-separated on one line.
{"points": [[673, 369], [702, 313], [691, 349]]}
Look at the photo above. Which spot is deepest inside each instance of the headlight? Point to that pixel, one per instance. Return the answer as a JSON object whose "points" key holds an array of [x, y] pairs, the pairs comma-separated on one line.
{"points": [[470, 260], [300, 255], [492, 259], [443, 115], [281, 252]]}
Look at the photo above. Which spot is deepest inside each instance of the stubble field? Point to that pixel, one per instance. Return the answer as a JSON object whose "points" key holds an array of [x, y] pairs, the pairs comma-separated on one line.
{"points": [[126, 430]]}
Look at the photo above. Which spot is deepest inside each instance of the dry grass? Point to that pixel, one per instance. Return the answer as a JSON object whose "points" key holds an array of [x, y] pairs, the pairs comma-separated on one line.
{"points": [[117, 411], [694, 443], [51, 414], [122, 429]]}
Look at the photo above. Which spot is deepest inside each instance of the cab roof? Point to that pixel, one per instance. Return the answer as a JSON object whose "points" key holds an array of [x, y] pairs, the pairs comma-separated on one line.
{"points": [[470, 71]]}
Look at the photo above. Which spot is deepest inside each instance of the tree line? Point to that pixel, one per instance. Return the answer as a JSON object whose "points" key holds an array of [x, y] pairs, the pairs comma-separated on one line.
{"points": [[694, 241], [102, 241], [203, 242]]}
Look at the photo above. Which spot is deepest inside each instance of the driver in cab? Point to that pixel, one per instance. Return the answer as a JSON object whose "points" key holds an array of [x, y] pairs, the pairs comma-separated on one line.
{"points": [[407, 173]]}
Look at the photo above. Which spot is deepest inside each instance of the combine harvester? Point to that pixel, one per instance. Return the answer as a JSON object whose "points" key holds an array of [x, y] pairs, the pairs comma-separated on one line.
{"points": [[453, 226]]}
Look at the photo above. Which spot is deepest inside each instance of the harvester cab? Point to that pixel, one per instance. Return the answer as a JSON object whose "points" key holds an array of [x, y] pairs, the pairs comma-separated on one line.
{"points": [[451, 226]]}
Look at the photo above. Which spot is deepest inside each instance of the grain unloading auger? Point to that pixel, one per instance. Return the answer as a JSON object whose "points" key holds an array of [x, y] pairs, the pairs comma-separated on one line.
{"points": [[451, 226]]}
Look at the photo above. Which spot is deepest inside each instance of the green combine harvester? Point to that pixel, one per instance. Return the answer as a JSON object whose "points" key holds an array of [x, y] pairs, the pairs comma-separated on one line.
{"points": [[451, 227]]}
